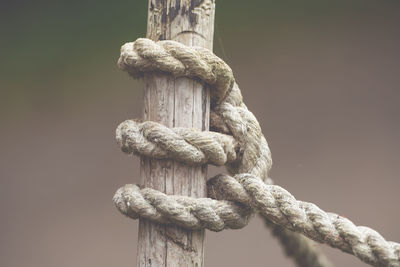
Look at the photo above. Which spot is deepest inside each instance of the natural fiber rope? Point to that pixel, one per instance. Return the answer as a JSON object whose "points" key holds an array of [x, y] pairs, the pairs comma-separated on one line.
{"points": [[239, 145], [133, 132]]}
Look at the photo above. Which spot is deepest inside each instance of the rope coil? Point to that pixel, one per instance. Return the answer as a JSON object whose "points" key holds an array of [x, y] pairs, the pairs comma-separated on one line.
{"points": [[239, 144]]}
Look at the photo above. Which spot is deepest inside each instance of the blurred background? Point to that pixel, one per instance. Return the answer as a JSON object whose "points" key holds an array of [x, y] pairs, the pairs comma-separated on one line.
{"points": [[322, 77]]}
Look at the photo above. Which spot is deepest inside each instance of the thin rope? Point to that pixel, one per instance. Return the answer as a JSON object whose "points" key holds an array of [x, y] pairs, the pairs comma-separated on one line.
{"points": [[242, 148]]}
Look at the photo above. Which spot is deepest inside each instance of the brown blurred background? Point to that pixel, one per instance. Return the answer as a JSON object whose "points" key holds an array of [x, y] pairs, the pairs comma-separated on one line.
{"points": [[323, 78]]}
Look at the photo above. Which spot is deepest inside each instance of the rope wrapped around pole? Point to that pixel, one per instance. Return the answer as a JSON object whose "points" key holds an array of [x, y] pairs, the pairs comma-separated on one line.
{"points": [[238, 144]]}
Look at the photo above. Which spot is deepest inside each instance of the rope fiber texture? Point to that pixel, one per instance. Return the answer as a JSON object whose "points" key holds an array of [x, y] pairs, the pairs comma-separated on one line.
{"points": [[236, 142]]}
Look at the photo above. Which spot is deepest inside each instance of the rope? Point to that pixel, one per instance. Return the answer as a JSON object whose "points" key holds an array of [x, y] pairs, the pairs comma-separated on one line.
{"points": [[237, 143]]}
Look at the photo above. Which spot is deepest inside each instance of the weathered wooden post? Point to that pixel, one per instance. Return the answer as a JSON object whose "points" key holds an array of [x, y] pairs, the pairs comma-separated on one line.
{"points": [[174, 102]]}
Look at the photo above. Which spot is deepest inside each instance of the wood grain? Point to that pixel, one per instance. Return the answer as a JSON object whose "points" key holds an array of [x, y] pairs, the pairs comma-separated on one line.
{"points": [[174, 102]]}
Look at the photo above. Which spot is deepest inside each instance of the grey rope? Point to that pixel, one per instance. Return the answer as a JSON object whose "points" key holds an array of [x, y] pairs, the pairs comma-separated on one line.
{"points": [[242, 148]]}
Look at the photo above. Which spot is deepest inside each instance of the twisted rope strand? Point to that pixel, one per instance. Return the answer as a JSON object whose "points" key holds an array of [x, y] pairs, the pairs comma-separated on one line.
{"points": [[246, 193], [189, 146], [246, 155]]}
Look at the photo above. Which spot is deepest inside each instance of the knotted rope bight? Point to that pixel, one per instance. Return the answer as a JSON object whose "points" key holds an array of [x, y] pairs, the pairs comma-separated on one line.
{"points": [[238, 143]]}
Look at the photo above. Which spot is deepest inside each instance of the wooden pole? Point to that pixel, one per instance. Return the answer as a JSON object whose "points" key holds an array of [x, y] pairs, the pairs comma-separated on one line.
{"points": [[174, 102]]}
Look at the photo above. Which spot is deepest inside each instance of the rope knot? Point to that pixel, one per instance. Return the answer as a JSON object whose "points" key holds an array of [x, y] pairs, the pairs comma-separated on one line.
{"points": [[237, 142]]}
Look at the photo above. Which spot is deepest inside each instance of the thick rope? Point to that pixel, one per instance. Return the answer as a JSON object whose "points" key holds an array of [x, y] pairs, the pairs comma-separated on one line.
{"points": [[241, 147], [144, 139]]}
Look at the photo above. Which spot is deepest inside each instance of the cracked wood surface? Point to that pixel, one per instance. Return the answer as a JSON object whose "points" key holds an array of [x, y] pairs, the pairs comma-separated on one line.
{"points": [[174, 102]]}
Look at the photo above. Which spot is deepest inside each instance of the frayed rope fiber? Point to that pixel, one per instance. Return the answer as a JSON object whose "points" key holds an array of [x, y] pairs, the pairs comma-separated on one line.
{"points": [[237, 142]]}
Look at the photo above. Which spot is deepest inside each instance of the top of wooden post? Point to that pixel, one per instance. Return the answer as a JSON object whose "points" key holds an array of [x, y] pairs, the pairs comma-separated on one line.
{"points": [[190, 22]]}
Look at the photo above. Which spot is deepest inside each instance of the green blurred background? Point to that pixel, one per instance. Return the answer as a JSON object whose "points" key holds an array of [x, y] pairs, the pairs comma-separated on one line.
{"points": [[323, 78]]}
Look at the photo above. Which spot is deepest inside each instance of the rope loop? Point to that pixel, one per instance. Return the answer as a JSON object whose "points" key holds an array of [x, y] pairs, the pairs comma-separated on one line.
{"points": [[237, 142]]}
